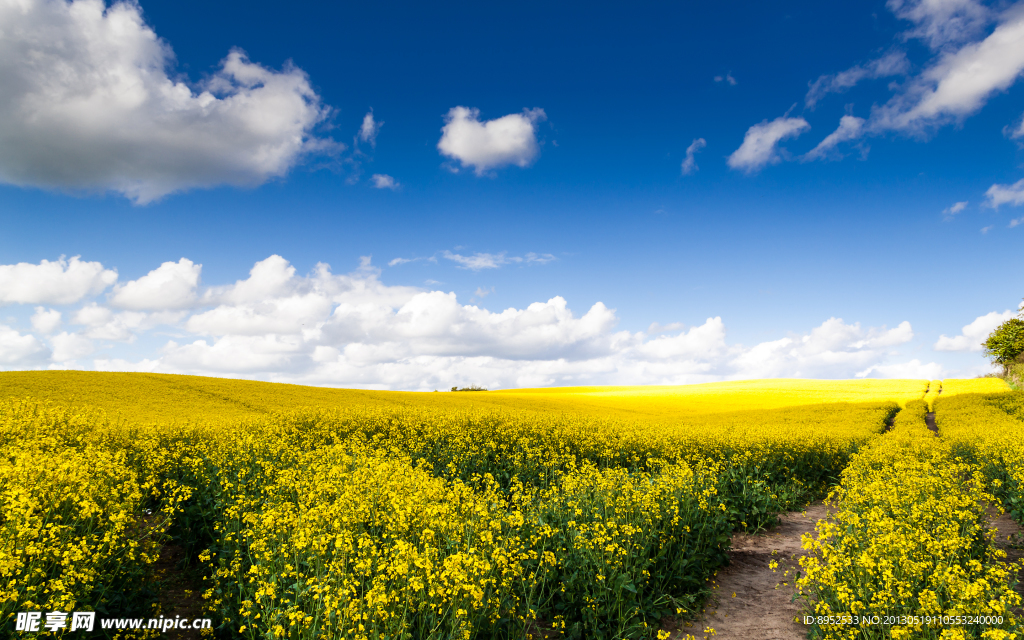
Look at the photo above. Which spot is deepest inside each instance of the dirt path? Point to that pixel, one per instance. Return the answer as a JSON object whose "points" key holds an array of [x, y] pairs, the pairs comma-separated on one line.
{"points": [[751, 601], [1009, 538], [179, 592]]}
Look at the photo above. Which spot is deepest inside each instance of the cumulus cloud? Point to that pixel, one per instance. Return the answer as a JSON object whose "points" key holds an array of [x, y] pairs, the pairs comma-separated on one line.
{"points": [[58, 282], [850, 128], [170, 286], [20, 350], [354, 330], [727, 78], [760, 143], [891, 64], [913, 369], [1016, 222], [973, 334], [90, 102], [833, 349], [45, 321], [486, 145], [1000, 194], [384, 181], [68, 347], [690, 163]]}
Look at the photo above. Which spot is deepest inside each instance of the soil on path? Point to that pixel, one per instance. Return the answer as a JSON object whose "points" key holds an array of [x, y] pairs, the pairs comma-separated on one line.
{"points": [[179, 592], [751, 601], [1009, 538]]}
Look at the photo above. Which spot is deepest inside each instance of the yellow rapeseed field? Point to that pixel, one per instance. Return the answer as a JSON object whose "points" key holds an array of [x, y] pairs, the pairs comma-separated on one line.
{"points": [[575, 512]]}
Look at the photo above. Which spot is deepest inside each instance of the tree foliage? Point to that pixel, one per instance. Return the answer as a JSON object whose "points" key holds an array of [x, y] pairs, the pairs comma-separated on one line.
{"points": [[1006, 344]]}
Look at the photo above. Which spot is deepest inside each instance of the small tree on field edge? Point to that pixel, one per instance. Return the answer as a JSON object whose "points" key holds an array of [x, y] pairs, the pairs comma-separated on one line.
{"points": [[1005, 345]]}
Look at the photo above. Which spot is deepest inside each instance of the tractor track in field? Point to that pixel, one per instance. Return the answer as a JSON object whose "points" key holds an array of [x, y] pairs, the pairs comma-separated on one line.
{"points": [[751, 601]]}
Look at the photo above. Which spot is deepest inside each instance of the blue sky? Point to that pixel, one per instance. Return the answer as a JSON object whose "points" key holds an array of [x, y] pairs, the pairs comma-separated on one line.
{"points": [[455, 164]]}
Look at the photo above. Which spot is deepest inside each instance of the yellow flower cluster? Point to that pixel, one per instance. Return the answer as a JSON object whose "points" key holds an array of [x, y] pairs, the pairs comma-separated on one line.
{"points": [[161, 398], [80, 518], [984, 422], [910, 539], [586, 513]]}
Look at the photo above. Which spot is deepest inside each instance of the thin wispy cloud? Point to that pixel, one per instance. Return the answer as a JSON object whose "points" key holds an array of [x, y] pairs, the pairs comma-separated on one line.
{"points": [[690, 162], [940, 23], [958, 83], [951, 211], [849, 129], [891, 64], [480, 261], [1000, 194], [384, 181], [966, 69], [760, 144], [369, 129]]}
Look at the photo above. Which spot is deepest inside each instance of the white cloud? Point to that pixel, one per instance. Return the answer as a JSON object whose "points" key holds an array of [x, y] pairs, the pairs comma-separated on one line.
{"points": [[760, 142], [913, 369], [89, 102], [537, 258], [384, 181], [103, 323], [268, 278], [510, 139], [170, 286], [727, 78], [478, 261], [1017, 132], [956, 208], [942, 22], [891, 64], [1000, 194], [369, 129], [70, 346], [850, 128], [690, 163], [45, 321], [960, 82], [985, 230], [1016, 222], [973, 334], [58, 282], [353, 330], [832, 350], [18, 351]]}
